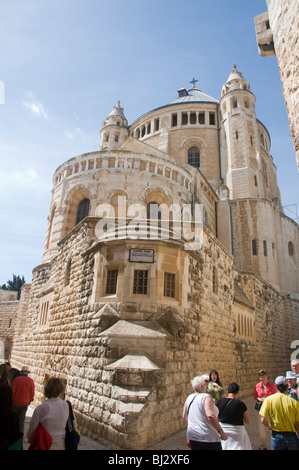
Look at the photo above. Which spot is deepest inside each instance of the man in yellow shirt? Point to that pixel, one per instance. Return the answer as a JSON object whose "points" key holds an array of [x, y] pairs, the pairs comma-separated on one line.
{"points": [[283, 412]]}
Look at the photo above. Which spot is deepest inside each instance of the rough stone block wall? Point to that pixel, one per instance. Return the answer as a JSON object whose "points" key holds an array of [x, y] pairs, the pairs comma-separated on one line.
{"points": [[128, 365], [8, 318], [284, 23]]}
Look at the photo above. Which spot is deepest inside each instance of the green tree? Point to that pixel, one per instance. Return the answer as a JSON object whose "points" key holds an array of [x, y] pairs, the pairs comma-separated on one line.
{"points": [[14, 284]]}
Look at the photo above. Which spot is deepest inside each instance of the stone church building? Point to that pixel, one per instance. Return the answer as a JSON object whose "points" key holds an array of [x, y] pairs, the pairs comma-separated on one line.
{"points": [[167, 255]]}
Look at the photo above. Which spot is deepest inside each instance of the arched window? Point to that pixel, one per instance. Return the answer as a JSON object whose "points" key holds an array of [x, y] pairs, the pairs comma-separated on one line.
{"points": [[194, 157], [153, 211], [83, 210]]}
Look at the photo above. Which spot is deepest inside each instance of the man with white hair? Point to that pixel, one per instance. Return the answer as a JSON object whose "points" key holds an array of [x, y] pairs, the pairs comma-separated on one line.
{"points": [[295, 368], [283, 412], [204, 431]]}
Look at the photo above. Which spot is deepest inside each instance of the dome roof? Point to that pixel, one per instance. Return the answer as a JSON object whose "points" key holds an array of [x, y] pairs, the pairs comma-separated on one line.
{"points": [[192, 96], [117, 111], [235, 74]]}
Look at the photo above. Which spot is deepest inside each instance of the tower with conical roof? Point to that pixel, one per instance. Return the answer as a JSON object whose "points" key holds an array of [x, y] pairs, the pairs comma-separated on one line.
{"points": [[240, 139], [114, 129]]}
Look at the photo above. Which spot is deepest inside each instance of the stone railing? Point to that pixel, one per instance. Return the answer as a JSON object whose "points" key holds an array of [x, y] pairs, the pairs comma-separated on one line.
{"points": [[122, 160]]}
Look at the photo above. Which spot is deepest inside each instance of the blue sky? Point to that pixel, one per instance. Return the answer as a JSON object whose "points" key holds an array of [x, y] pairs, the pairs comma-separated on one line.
{"points": [[65, 64]]}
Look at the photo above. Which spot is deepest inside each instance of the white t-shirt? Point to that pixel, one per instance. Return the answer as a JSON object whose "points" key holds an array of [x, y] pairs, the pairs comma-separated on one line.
{"points": [[199, 426], [53, 415]]}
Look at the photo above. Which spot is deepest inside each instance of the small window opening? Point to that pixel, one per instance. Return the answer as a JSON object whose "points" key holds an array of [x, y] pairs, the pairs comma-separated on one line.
{"points": [[83, 210], [212, 119], [111, 281], [265, 248], [194, 157], [169, 285], [201, 118], [184, 119], [290, 249], [140, 282], [192, 118]]}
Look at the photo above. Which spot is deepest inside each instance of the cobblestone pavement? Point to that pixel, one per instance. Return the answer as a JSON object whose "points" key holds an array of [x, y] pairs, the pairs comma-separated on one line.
{"points": [[175, 442]]}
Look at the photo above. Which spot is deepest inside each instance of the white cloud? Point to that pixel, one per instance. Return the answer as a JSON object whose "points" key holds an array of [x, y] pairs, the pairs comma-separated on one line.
{"points": [[35, 106]]}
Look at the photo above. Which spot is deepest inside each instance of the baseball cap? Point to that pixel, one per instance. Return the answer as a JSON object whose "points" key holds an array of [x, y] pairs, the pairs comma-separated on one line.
{"points": [[290, 375], [280, 380]]}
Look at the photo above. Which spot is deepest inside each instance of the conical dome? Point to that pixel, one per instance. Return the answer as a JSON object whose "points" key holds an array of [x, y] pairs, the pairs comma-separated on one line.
{"points": [[235, 81], [114, 129]]}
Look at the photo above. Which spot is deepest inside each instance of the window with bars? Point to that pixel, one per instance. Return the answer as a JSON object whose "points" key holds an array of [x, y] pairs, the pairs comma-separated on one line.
{"points": [[169, 285], [83, 210], [140, 282], [111, 281], [194, 157]]}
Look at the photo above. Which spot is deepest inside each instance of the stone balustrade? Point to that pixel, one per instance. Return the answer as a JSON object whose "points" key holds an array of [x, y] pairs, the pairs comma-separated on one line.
{"points": [[118, 160]]}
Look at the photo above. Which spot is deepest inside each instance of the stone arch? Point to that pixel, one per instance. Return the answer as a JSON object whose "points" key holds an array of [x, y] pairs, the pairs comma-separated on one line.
{"points": [[120, 206], [187, 144], [156, 196], [74, 197]]}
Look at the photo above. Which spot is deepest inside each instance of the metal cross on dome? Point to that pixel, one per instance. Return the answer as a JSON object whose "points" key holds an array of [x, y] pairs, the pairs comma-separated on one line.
{"points": [[193, 81]]}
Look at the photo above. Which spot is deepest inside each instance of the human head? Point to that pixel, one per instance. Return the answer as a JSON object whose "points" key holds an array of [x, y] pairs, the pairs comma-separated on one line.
{"points": [[4, 369], [54, 388], [5, 374], [25, 370], [291, 378], [200, 383], [281, 384], [233, 388], [295, 366], [263, 376], [214, 376]]}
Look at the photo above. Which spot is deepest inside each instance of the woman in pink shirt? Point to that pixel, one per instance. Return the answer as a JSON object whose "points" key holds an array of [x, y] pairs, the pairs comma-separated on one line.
{"points": [[263, 389]]}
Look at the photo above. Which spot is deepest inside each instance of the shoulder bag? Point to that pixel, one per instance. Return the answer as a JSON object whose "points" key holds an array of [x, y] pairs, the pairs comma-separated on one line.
{"points": [[72, 435]]}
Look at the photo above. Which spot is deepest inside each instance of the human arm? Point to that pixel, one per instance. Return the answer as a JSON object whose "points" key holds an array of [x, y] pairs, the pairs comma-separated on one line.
{"points": [[32, 391], [34, 422], [265, 422], [246, 417], [209, 409], [185, 413]]}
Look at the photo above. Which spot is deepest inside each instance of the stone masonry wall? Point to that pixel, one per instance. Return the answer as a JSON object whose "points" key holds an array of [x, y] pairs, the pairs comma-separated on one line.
{"points": [[283, 18], [128, 365]]}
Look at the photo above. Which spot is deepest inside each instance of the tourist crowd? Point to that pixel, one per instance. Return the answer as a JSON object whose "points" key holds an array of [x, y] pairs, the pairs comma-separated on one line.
{"points": [[215, 419]]}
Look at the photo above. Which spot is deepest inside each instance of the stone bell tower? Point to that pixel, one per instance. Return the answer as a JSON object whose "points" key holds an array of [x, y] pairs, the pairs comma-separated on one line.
{"points": [[240, 139], [114, 129]]}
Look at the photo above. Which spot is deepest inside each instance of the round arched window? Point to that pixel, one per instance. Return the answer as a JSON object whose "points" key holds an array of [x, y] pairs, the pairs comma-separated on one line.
{"points": [[83, 210], [194, 157]]}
